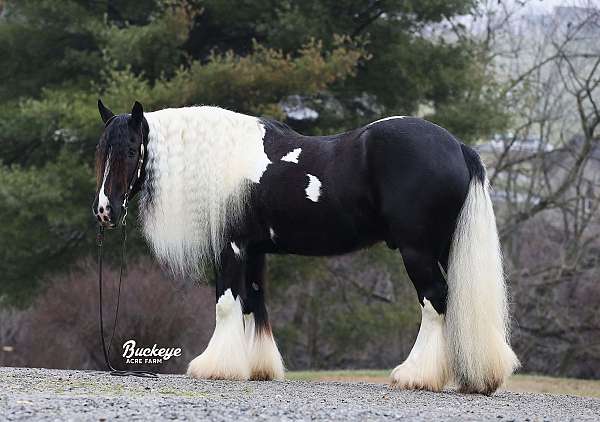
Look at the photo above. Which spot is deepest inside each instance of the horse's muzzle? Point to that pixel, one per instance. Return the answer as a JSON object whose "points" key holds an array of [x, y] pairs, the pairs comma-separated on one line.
{"points": [[105, 216]]}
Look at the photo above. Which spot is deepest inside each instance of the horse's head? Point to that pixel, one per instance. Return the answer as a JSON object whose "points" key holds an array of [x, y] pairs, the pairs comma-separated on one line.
{"points": [[120, 156]]}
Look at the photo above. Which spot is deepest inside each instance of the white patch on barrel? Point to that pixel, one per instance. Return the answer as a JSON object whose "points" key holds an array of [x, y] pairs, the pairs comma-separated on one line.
{"points": [[272, 233], [292, 156], [313, 190]]}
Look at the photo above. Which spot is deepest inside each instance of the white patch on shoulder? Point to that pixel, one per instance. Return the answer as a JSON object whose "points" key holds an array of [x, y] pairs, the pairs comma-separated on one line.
{"points": [[292, 156], [272, 233], [386, 118], [236, 249], [313, 190], [260, 159]]}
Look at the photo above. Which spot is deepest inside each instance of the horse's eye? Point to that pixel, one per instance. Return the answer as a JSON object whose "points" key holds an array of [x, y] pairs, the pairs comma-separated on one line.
{"points": [[131, 153]]}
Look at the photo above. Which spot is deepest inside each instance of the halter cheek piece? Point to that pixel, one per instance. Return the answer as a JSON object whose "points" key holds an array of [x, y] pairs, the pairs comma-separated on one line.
{"points": [[136, 177]]}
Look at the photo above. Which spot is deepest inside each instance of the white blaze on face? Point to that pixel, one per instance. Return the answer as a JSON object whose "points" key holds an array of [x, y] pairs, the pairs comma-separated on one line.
{"points": [[103, 201], [292, 156], [313, 190]]}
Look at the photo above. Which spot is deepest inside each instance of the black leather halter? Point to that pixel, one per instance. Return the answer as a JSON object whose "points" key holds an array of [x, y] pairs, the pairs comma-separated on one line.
{"points": [[100, 241], [135, 177]]}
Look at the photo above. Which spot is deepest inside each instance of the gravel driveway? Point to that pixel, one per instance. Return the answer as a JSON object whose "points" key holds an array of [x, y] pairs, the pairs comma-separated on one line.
{"points": [[87, 395]]}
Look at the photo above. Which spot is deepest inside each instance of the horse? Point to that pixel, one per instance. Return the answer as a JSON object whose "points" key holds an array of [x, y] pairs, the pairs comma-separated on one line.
{"points": [[225, 189]]}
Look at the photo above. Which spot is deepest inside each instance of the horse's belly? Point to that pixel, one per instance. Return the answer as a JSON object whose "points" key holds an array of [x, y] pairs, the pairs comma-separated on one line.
{"points": [[323, 227], [319, 238]]}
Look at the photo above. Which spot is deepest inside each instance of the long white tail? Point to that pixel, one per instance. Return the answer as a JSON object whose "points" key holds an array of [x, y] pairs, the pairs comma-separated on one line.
{"points": [[477, 312]]}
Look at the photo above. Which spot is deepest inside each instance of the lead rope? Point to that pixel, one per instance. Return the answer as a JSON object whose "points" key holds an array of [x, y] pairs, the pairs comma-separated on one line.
{"points": [[100, 242]]}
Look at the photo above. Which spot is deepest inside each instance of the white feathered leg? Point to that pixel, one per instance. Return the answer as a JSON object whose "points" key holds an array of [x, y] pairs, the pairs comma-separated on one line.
{"points": [[225, 356], [265, 360], [426, 367]]}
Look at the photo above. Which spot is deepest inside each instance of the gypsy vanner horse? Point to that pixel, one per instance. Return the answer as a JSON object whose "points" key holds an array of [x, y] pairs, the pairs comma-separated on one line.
{"points": [[222, 188]]}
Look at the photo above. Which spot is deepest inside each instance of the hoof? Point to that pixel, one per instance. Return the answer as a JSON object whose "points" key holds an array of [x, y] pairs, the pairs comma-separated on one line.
{"points": [[483, 385], [213, 367], [265, 360], [408, 376]]}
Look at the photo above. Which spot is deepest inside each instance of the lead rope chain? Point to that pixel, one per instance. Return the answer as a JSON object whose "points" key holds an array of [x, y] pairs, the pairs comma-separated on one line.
{"points": [[100, 243]]}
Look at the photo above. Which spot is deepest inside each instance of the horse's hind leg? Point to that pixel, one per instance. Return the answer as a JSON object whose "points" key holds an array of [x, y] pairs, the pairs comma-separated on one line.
{"points": [[265, 359], [226, 355], [427, 365]]}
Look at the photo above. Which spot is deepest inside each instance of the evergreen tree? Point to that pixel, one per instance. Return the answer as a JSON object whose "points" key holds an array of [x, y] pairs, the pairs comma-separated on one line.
{"points": [[58, 56]]}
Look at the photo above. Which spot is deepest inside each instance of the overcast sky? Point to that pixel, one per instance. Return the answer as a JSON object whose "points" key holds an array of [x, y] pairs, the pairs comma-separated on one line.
{"points": [[548, 5]]}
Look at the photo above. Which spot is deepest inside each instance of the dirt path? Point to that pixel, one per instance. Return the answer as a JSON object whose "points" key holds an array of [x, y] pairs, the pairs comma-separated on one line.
{"points": [[44, 394]]}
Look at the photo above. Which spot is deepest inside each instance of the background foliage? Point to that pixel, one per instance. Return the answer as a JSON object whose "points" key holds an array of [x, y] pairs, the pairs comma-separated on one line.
{"points": [[352, 60]]}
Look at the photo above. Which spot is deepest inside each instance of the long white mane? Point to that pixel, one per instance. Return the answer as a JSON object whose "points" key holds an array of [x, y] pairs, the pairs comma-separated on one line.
{"points": [[201, 163]]}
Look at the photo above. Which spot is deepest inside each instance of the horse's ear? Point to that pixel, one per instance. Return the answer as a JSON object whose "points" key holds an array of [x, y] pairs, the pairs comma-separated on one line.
{"points": [[105, 112], [137, 114]]}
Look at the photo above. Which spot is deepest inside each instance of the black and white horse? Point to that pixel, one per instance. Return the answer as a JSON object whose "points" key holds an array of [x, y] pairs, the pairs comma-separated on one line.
{"points": [[226, 188]]}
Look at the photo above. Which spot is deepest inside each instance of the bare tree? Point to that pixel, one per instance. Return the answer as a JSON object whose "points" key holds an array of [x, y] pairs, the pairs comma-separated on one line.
{"points": [[546, 176]]}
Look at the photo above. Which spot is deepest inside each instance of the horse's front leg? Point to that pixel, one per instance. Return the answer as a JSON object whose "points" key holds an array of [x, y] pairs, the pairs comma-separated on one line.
{"points": [[226, 356], [265, 359]]}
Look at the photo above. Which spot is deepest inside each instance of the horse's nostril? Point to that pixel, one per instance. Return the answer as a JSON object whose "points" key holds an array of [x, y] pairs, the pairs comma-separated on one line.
{"points": [[99, 219], [101, 209], [106, 218]]}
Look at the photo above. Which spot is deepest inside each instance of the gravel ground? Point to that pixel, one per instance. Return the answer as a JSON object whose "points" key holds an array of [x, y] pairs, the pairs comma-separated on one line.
{"points": [[44, 394]]}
